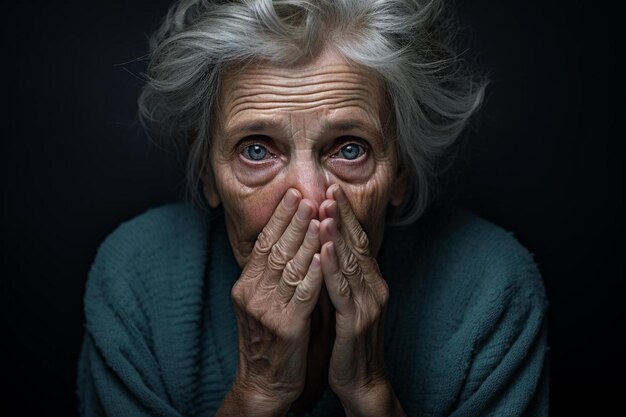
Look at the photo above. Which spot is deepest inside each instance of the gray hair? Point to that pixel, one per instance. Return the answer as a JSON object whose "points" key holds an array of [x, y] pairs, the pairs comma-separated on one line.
{"points": [[410, 44]]}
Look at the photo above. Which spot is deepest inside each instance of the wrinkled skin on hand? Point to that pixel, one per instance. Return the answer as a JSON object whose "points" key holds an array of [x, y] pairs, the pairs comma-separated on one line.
{"points": [[278, 290], [274, 298], [360, 295]]}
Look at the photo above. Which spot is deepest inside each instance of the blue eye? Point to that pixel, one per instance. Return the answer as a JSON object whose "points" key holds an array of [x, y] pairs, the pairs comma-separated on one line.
{"points": [[351, 151], [255, 152]]}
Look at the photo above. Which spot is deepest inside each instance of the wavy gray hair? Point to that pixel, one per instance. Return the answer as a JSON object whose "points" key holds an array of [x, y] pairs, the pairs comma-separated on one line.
{"points": [[408, 43]]}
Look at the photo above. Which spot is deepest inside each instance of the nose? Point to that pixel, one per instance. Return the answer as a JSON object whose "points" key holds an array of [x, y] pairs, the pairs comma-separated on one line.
{"points": [[308, 177]]}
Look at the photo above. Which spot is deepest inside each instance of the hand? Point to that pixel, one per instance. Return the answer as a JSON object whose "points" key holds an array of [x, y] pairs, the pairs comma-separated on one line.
{"points": [[274, 298], [357, 372]]}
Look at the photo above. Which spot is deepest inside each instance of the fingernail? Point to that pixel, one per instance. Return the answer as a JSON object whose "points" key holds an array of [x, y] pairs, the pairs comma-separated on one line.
{"points": [[313, 230], [291, 199], [315, 263], [304, 211], [330, 249], [331, 209]]}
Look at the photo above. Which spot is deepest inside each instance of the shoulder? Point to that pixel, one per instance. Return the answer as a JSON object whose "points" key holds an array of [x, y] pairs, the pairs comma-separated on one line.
{"points": [[158, 229], [159, 253], [478, 282], [473, 308], [499, 306], [142, 304], [469, 247], [461, 267], [162, 232]]}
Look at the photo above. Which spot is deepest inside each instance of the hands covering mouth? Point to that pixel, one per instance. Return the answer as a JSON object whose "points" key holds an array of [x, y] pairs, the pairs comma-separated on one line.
{"points": [[278, 289]]}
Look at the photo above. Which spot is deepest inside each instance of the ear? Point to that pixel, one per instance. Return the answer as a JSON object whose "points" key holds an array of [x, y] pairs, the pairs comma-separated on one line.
{"points": [[208, 187], [398, 188]]}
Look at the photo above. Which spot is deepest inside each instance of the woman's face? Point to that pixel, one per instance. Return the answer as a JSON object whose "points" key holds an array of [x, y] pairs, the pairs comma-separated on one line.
{"points": [[303, 127]]}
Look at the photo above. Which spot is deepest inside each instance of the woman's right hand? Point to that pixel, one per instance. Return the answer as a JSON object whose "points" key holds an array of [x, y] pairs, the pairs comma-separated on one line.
{"points": [[274, 298]]}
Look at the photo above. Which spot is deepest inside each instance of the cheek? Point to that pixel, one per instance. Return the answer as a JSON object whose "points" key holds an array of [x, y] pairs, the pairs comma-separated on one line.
{"points": [[250, 212], [357, 173], [247, 212], [369, 202], [257, 174]]}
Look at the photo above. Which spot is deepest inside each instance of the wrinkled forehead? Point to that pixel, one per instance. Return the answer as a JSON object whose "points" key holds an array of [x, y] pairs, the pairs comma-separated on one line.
{"points": [[328, 84]]}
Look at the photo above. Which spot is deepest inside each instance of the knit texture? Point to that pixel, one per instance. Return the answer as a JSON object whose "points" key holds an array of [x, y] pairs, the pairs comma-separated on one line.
{"points": [[465, 328]]}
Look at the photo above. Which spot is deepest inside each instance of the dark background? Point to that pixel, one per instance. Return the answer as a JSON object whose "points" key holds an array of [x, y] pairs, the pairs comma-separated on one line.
{"points": [[544, 160]]}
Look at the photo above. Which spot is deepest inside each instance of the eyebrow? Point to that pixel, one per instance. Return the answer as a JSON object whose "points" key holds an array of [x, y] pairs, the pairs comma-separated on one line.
{"points": [[343, 126], [347, 125], [253, 127], [256, 126]]}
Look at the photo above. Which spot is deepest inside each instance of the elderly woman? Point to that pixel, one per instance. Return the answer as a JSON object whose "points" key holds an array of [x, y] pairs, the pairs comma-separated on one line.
{"points": [[320, 279]]}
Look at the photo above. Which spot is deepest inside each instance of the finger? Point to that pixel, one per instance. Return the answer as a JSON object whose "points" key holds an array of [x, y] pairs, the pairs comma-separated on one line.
{"points": [[291, 239], [308, 290], [296, 268], [348, 224], [286, 247], [347, 261], [326, 209], [339, 290], [275, 227]]}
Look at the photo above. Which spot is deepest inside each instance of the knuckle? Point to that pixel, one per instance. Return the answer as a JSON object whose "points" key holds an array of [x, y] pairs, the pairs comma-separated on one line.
{"points": [[351, 267], [291, 273], [343, 288], [263, 243], [303, 293], [276, 260], [237, 294], [361, 243]]}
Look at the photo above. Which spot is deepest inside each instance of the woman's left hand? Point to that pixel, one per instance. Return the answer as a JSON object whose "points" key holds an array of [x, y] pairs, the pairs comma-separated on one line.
{"points": [[357, 372]]}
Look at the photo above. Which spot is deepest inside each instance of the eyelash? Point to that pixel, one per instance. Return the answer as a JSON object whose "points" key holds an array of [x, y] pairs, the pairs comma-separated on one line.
{"points": [[343, 141], [362, 151], [256, 140]]}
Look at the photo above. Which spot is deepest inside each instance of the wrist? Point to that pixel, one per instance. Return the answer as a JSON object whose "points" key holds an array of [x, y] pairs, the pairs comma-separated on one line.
{"points": [[372, 400], [245, 400]]}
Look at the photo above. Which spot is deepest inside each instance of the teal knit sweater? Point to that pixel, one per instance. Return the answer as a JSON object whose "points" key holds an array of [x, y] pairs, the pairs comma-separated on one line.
{"points": [[465, 329]]}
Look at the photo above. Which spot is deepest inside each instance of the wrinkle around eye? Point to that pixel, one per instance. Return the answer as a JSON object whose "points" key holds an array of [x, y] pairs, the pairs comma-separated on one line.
{"points": [[365, 147], [354, 171], [254, 173], [263, 141]]}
